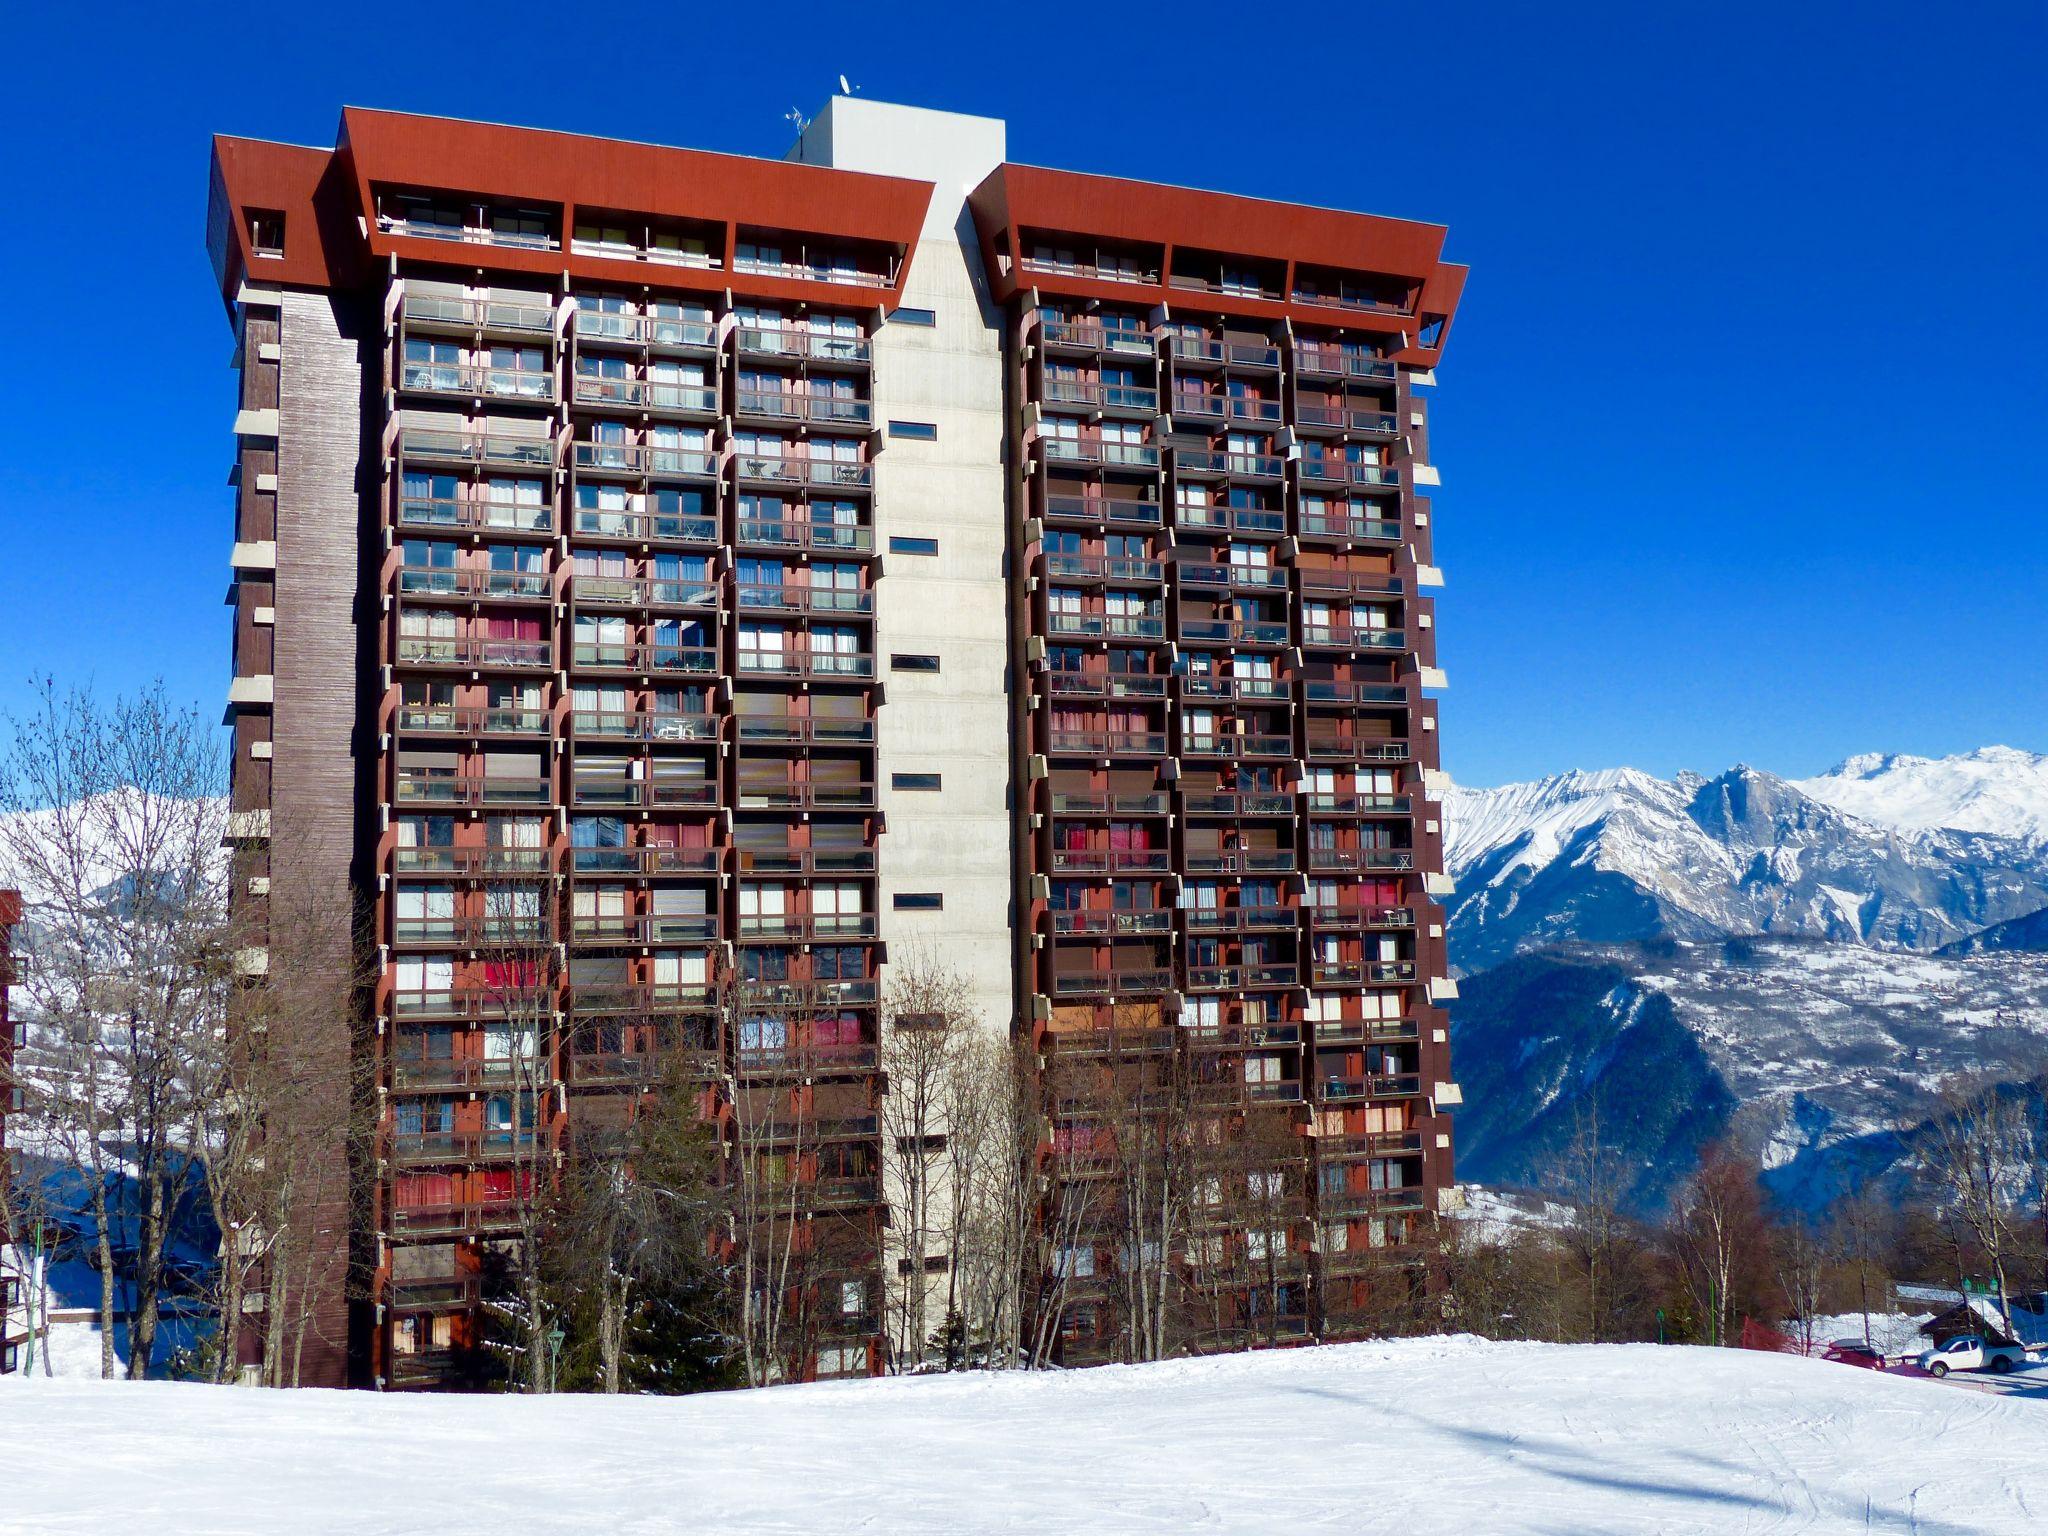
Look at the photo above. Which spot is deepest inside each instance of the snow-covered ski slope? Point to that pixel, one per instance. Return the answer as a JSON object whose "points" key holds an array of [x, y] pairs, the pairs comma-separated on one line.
{"points": [[1426, 1435]]}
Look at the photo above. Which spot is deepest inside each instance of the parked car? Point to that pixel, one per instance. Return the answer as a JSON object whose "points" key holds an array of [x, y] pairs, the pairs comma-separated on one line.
{"points": [[1854, 1352], [1971, 1352]]}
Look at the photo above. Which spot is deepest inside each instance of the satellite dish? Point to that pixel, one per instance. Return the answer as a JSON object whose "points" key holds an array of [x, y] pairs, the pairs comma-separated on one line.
{"points": [[844, 88]]}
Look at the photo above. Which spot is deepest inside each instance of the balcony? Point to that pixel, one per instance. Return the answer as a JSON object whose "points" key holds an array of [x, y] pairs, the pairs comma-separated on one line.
{"points": [[1109, 804], [805, 406], [1106, 861], [1217, 516], [1066, 684], [1238, 802], [1096, 569], [643, 928], [807, 533], [1242, 1037], [1345, 917], [646, 330], [1358, 749], [449, 720], [1347, 528], [1252, 690], [476, 381], [1240, 861], [622, 527], [1339, 1090], [473, 862], [491, 450], [1346, 636], [1319, 691], [794, 470], [1093, 394], [1209, 463], [478, 1216], [436, 312], [1087, 336], [641, 592], [668, 397], [606, 999], [471, 1003], [1110, 626], [1112, 923], [803, 345], [1321, 803], [1235, 745], [1110, 511], [1243, 578], [1326, 361], [804, 796], [441, 652], [805, 927], [1260, 632], [806, 1060], [789, 597], [1241, 919], [519, 931], [475, 514], [468, 234], [587, 790], [643, 725], [830, 666], [806, 730], [1342, 860], [1132, 983], [806, 862], [1200, 405], [1242, 978], [414, 1149], [644, 460], [470, 790], [1091, 454], [474, 586], [643, 660], [1107, 743], [646, 862], [445, 1074], [1325, 470]]}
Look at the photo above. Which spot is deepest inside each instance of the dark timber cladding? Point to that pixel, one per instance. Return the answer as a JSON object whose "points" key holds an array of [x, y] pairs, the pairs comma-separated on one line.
{"points": [[556, 576]]}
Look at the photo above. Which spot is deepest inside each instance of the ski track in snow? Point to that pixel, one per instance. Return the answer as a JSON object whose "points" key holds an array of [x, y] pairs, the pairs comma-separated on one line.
{"points": [[1424, 1434]]}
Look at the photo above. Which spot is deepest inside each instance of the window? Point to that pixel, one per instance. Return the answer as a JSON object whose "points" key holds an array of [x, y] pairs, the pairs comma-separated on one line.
{"points": [[266, 231], [908, 316], [915, 431], [900, 661], [913, 781], [904, 546], [919, 901]]}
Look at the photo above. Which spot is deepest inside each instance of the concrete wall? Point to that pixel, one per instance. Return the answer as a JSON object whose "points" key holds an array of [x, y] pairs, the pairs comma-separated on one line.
{"points": [[954, 723]]}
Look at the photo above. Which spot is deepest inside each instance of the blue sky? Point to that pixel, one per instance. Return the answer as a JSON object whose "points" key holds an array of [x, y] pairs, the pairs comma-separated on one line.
{"points": [[1741, 425]]}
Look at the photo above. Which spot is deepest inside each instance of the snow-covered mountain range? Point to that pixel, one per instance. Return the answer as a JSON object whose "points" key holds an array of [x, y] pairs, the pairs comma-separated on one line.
{"points": [[1788, 963]]}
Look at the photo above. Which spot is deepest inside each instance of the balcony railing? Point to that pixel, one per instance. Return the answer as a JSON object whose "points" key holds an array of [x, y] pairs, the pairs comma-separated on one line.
{"points": [[1341, 859], [1354, 637], [1120, 626], [807, 861], [805, 663], [438, 1074], [1110, 983], [654, 330], [803, 927], [646, 861], [1333, 1090], [1122, 511], [1345, 915], [643, 725], [641, 459], [1140, 398], [494, 450], [449, 720], [1234, 631], [1238, 978], [642, 660], [1109, 743], [1103, 861], [1105, 803], [1361, 749], [1318, 691], [1205, 461], [798, 730], [1067, 684], [642, 592], [479, 379], [1113, 923], [1333, 471], [1223, 744], [1237, 519], [465, 790], [805, 533], [475, 653], [1240, 861], [1253, 578], [643, 928], [607, 790], [1325, 525], [471, 862], [801, 796], [1206, 685], [1243, 802], [789, 469], [1094, 568], [1341, 362], [816, 346], [788, 597], [478, 314], [1088, 336], [1241, 919], [1323, 803], [804, 405], [474, 586], [468, 234], [414, 1148], [471, 1003]]}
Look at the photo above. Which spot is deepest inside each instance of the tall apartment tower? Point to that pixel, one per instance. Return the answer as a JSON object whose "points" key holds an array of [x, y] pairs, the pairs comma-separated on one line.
{"points": [[672, 589]]}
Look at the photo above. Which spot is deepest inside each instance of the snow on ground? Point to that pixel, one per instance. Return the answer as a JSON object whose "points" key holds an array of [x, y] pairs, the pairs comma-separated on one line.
{"points": [[2000, 790], [1425, 1434]]}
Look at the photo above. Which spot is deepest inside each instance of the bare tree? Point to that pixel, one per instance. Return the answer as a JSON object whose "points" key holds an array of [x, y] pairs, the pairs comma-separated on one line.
{"points": [[114, 832], [1719, 1237], [1977, 1155]]}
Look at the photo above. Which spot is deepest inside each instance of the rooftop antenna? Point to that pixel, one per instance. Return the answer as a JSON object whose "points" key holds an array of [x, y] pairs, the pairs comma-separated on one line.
{"points": [[796, 116]]}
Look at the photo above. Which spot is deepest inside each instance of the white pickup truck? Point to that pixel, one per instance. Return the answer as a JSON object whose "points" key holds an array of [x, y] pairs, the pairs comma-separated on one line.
{"points": [[1971, 1352]]}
